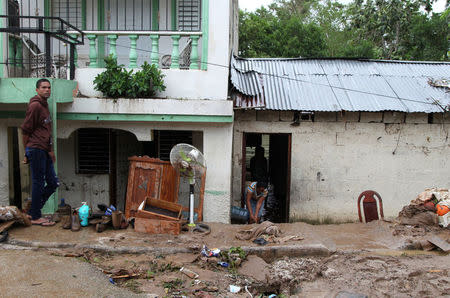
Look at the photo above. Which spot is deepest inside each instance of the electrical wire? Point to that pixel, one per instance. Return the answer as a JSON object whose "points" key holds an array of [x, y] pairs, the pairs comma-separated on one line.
{"points": [[435, 102]]}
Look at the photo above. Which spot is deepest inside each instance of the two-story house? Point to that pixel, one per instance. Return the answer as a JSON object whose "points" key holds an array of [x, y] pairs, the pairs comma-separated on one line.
{"points": [[190, 40]]}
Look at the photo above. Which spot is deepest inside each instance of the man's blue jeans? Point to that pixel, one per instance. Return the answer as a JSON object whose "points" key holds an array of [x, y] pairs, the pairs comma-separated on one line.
{"points": [[44, 180]]}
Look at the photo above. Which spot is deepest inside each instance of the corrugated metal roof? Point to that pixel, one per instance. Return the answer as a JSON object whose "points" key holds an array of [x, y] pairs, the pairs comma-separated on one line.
{"points": [[339, 85]]}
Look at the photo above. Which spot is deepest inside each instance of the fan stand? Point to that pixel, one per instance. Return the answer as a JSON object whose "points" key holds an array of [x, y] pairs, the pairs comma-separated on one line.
{"points": [[191, 203]]}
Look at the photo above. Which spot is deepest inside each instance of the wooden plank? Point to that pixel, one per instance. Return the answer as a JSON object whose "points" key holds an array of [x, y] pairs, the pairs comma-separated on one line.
{"points": [[144, 180], [156, 226], [199, 210], [172, 207], [439, 243], [170, 182]]}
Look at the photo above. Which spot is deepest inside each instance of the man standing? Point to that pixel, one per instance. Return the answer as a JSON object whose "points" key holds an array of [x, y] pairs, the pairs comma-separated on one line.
{"points": [[255, 195], [37, 140]]}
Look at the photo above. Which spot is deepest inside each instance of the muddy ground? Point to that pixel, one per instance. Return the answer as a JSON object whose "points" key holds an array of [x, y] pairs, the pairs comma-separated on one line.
{"points": [[367, 260], [372, 274]]}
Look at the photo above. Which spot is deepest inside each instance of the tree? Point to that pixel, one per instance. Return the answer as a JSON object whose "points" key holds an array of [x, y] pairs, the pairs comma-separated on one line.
{"points": [[263, 34], [394, 25], [378, 29]]}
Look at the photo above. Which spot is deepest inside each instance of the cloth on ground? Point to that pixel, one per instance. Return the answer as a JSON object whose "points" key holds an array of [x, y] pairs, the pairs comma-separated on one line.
{"points": [[266, 227], [12, 213]]}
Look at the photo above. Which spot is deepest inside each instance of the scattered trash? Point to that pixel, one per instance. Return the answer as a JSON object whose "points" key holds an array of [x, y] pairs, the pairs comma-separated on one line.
{"points": [[112, 281], [289, 238], [110, 210], [248, 292], [427, 208], [13, 214], [215, 252], [36, 284], [3, 236], [223, 264], [272, 296], [189, 273], [260, 241], [234, 289], [266, 227]]}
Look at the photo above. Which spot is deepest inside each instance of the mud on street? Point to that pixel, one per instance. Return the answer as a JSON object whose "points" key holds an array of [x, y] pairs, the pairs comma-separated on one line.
{"points": [[375, 260], [384, 274]]}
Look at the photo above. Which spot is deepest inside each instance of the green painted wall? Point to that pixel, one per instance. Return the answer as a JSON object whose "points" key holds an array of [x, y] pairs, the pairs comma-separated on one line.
{"points": [[2, 22], [144, 117], [126, 117], [205, 34], [20, 90]]}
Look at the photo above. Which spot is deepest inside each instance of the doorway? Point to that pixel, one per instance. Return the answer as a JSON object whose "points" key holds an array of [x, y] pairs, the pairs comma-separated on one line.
{"points": [[275, 166]]}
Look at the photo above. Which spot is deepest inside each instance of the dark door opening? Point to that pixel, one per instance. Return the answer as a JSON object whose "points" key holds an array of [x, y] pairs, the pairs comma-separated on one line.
{"points": [[19, 173], [276, 149]]}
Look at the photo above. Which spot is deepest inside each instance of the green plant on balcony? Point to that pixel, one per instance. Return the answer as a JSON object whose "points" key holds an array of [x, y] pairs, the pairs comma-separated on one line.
{"points": [[117, 82]]}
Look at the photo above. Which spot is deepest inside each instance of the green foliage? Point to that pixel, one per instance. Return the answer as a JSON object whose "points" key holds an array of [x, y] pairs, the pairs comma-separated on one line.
{"points": [[117, 82], [389, 29], [173, 284], [231, 256], [262, 34]]}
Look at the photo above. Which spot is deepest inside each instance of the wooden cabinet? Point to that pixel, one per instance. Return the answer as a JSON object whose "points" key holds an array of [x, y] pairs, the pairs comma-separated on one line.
{"points": [[152, 178]]}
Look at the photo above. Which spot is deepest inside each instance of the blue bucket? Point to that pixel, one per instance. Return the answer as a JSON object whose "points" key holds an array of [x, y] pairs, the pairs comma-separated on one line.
{"points": [[238, 214]]}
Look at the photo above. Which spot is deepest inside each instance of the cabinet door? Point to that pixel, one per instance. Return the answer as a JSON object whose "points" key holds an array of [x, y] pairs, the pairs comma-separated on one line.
{"points": [[169, 184], [144, 182]]}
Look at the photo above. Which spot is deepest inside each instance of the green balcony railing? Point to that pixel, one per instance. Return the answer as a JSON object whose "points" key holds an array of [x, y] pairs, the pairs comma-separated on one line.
{"points": [[187, 58]]}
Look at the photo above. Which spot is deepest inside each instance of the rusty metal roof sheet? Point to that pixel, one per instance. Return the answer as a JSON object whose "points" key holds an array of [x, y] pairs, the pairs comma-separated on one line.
{"points": [[340, 85]]}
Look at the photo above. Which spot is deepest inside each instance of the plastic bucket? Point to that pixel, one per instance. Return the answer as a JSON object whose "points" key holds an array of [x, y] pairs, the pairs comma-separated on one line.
{"points": [[238, 214]]}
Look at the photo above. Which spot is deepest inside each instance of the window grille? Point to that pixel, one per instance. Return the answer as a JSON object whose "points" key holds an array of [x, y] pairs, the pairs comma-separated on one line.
{"points": [[13, 10], [93, 150], [189, 15], [169, 138], [68, 10]]}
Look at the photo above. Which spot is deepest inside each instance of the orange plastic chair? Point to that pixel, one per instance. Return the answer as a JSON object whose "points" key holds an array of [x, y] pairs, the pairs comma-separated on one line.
{"points": [[369, 202]]}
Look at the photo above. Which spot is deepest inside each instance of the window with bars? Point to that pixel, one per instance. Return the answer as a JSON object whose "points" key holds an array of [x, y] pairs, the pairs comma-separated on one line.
{"points": [[68, 10], [189, 15], [93, 150], [169, 138]]}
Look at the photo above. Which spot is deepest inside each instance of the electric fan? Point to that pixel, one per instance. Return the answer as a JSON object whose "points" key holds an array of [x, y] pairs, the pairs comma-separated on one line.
{"points": [[191, 164]]}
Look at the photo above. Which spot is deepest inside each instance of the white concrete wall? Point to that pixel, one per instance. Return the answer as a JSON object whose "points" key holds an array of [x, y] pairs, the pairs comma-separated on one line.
{"points": [[4, 170], [76, 188], [148, 106], [333, 161], [181, 84]]}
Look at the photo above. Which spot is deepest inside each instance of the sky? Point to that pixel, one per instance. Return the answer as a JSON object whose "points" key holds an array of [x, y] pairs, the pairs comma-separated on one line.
{"points": [[252, 5]]}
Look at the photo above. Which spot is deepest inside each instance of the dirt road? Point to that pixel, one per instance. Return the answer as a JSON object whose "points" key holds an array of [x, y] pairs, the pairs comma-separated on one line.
{"points": [[26, 273]]}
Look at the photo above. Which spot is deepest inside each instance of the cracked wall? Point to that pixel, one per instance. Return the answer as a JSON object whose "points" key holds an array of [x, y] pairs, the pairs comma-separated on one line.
{"points": [[338, 156]]}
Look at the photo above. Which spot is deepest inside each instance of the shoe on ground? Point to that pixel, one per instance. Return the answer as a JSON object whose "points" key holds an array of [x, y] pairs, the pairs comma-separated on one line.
{"points": [[76, 226], [66, 222]]}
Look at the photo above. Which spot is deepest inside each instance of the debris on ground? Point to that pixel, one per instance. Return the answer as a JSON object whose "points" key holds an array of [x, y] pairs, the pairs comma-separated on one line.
{"points": [[266, 227], [9, 215]]}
